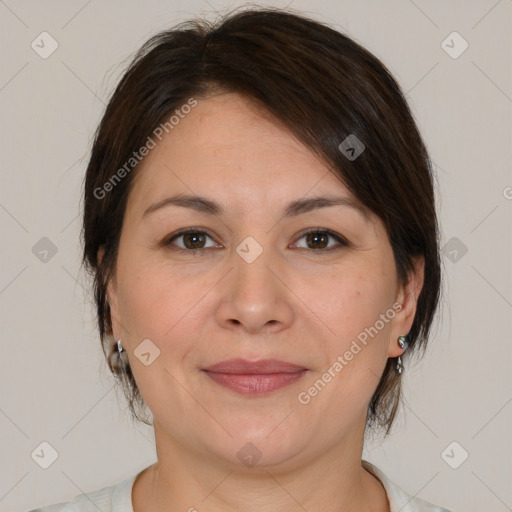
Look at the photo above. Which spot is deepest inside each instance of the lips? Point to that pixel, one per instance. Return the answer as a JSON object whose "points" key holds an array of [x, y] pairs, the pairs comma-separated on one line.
{"points": [[254, 377], [262, 367]]}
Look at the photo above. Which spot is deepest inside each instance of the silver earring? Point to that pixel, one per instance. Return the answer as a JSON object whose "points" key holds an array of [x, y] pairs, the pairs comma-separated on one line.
{"points": [[403, 342], [120, 348]]}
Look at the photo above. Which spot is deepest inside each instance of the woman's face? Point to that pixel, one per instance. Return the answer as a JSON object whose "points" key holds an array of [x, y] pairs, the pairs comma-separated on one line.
{"points": [[261, 288]]}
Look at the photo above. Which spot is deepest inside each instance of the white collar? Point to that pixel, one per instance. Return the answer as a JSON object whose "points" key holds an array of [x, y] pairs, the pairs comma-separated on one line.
{"points": [[399, 500]]}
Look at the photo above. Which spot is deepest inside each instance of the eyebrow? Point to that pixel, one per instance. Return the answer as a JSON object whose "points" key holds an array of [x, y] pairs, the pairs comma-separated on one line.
{"points": [[298, 207]]}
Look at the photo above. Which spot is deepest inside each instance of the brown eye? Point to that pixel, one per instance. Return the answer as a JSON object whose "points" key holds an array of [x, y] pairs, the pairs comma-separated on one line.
{"points": [[193, 240], [319, 239]]}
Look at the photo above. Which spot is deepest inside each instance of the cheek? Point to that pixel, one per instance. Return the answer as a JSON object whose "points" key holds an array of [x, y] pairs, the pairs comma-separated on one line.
{"points": [[351, 301], [154, 296], [157, 304], [354, 356], [357, 311]]}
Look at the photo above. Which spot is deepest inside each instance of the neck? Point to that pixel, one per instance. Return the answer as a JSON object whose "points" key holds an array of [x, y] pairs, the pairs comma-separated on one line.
{"points": [[194, 481]]}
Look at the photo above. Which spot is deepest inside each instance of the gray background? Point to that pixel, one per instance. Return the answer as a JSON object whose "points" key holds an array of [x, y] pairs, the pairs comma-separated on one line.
{"points": [[55, 384]]}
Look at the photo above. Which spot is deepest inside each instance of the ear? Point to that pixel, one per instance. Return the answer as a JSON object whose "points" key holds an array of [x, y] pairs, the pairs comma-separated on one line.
{"points": [[408, 299], [112, 300]]}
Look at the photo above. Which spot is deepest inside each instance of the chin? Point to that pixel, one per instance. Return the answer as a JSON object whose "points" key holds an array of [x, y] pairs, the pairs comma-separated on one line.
{"points": [[258, 445]]}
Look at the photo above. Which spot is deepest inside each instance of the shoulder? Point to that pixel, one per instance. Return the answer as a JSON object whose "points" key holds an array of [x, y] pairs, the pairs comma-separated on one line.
{"points": [[115, 498], [398, 499]]}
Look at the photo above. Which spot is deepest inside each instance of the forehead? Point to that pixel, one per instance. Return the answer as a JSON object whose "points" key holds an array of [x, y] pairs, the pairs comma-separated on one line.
{"points": [[228, 148]]}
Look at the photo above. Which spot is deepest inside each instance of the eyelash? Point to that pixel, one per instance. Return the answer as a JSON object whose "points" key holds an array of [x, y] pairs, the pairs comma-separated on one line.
{"points": [[342, 242]]}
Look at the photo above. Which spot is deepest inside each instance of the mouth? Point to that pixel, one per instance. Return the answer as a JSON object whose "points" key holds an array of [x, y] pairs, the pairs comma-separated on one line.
{"points": [[255, 377]]}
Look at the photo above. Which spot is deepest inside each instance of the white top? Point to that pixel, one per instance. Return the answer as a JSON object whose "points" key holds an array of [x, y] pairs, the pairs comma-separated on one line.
{"points": [[118, 498]]}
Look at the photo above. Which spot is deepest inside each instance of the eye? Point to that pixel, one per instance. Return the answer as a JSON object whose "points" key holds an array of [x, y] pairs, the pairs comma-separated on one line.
{"points": [[318, 239], [193, 239]]}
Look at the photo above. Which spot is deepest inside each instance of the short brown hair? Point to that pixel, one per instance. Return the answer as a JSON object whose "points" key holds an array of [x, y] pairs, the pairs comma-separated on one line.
{"points": [[323, 86]]}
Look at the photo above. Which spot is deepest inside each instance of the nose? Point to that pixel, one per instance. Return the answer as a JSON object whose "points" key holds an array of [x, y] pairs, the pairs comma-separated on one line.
{"points": [[255, 297]]}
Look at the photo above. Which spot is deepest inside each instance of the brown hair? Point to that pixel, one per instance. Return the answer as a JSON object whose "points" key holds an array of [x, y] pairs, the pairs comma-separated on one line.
{"points": [[324, 87]]}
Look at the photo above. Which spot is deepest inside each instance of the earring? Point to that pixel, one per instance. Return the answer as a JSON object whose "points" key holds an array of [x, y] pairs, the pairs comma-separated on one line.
{"points": [[120, 348], [403, 342]]}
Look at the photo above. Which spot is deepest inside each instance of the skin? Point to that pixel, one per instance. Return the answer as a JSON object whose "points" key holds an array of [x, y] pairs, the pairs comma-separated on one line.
{"points": [[295, 302]]}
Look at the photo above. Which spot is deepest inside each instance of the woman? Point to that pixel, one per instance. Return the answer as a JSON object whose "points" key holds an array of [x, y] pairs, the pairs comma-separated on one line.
{"points": [[260, 223]]}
